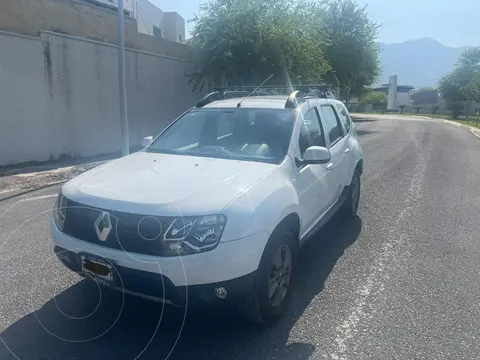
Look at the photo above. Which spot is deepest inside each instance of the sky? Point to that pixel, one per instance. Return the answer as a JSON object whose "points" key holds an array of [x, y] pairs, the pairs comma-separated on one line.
{"points": [[453, 23]]}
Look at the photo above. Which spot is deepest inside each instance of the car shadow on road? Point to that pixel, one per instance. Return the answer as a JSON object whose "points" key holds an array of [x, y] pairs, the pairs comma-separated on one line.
{"points": [[81, 324]]}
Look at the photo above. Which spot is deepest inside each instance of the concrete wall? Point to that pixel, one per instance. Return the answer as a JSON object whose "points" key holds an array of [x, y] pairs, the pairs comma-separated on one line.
{"points": [[59, 96], [25, 116]]}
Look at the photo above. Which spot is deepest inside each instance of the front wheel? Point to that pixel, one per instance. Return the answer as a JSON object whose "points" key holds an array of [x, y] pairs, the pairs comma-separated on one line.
{"points": [[350, 206], [272, 288]]}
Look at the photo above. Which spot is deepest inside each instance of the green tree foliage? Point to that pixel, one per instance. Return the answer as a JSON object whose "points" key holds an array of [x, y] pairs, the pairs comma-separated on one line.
{"points": [[244, 41], [375, 98], [426, 89], [352, 49], [463, 83]]}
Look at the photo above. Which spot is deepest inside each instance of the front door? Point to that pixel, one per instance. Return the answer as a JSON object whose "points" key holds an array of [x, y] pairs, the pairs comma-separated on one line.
{"points": [[311, 180], [337, 168]]}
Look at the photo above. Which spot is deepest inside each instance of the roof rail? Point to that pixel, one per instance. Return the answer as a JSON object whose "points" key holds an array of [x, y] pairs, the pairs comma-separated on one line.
{"points": [[301, 92], [294, 100], [207, 99], [321, 91]]}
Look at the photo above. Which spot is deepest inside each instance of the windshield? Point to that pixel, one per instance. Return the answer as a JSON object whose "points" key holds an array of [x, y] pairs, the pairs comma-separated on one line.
{"points": [[242, 134]]}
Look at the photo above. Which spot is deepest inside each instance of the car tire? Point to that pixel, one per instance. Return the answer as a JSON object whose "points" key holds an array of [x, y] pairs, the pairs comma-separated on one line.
{"points": [[259, 305], [350, 206]]}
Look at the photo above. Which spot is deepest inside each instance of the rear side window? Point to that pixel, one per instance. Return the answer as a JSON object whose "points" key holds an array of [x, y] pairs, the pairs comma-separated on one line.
{"points": [[334, 129], [344, 117]]}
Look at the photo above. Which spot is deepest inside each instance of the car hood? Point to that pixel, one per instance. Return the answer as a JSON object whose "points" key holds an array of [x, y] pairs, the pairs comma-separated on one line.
{"points": [[164, 184]]}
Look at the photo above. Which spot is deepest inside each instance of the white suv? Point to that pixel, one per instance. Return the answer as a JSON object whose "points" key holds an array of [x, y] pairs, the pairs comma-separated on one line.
{"points": [[217, 206]]}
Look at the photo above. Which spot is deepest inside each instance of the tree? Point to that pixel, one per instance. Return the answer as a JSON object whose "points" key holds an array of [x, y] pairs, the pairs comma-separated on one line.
{"points": [[244, 41], [472, 89], [426, 89], [402, 107], [375, 98], [352, 49], [418, 108], [463, 83]]}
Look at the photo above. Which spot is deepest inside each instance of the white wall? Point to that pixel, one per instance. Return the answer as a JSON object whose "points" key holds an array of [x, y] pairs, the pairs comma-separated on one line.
{"points": [[148, 16], [403, 98], [171, 24], [25, 116], [59, 95]]}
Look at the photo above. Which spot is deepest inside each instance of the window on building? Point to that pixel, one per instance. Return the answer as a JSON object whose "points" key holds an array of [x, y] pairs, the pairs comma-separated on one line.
{"points": [[157, 32]]}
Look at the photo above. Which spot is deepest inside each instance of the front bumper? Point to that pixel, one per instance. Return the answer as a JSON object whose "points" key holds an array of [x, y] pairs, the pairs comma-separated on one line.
{"points": [[230, 264], [158, 287]]}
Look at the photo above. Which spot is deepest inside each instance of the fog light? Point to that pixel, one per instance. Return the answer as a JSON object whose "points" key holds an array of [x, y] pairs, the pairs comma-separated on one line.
{"points": [[221, 292]]}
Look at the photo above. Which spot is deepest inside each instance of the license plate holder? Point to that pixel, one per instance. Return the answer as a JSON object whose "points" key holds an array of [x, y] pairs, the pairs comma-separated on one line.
{"points": [[98, 269]]}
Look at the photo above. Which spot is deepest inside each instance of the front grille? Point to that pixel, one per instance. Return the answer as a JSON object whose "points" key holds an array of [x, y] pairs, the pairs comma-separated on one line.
{"points": [[130, 232]]}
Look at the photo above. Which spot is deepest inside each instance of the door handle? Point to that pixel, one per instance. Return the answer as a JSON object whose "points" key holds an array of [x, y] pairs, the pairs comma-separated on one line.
{"points": [[330, 167], [347, 151]]}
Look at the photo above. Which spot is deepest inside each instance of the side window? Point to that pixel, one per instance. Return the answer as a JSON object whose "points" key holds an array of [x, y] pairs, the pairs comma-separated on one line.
{"points": [[303, 141], [344, 117], [314, 128], [334, 129]]}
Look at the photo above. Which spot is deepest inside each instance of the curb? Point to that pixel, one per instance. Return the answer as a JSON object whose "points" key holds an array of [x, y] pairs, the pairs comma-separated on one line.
{"points": [[19, 192], [27, 191], [474, 131]]}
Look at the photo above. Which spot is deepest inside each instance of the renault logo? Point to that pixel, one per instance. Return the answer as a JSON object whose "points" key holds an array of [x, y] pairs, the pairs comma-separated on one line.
{"points": [[103, 225]]}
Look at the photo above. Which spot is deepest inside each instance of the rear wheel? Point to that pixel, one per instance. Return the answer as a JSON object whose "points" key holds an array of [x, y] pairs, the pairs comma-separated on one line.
{"points": [[350, 206], [272, 289]]}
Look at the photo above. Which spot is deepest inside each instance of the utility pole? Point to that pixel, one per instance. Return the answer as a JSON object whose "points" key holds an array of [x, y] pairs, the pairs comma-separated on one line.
{"points": [[121, 80]]}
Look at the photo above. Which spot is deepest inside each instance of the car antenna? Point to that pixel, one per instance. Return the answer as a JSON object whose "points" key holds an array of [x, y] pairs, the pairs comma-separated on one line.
{"points": [[240, 103]]}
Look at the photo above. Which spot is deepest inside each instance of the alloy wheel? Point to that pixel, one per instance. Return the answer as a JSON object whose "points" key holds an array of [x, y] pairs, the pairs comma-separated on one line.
{"points": [[280, 275]]}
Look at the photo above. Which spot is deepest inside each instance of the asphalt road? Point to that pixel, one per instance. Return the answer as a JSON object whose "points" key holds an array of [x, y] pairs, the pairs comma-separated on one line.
{"points": [[400, 282]]}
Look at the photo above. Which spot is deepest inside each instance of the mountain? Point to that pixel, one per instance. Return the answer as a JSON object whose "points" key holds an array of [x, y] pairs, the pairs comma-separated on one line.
{"points": [[418, 62]]}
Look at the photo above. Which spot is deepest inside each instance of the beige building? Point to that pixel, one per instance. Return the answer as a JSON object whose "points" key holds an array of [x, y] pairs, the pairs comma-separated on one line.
{"points": [[151, 20]]}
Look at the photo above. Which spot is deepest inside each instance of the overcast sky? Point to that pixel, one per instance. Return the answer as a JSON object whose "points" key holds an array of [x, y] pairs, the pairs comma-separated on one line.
{"points": [[453, 23]]}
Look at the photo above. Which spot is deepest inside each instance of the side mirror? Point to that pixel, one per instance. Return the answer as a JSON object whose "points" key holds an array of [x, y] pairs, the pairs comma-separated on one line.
{"points": [[315, 155], [147, 140]]}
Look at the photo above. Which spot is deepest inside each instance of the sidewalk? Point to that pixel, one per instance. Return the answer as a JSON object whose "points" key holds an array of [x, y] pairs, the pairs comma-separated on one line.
{"points": [[18, 181]]}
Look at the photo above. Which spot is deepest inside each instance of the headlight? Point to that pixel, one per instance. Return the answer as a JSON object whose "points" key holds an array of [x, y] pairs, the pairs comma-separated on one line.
{"points": [[60, 211], [191, 235]]}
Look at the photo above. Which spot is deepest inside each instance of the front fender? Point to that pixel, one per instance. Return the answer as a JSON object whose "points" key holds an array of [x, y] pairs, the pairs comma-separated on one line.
{"points": [[260, 208], [357, 152]]}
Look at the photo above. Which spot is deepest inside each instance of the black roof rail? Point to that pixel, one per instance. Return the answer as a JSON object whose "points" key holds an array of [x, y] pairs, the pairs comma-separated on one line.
{"points": [[294, 100]]}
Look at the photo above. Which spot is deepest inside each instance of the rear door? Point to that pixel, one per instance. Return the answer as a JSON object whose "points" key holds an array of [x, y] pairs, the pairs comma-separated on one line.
{"points": [[338, 145]]}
